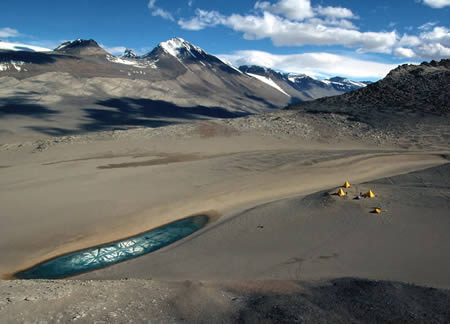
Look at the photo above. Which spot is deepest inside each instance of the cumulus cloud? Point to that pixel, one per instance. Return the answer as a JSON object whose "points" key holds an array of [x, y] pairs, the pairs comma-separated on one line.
{"points": [[297, 23], [313, 64], [202, 19], [437, 35], [409, 40], [437, 3], [284, 32], [159, 12], [292, 9], [8, 32], [404, 52], [433, 51], [337, 12]]}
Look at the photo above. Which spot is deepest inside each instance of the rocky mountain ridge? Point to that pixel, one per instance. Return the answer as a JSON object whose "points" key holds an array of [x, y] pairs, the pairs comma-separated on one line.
{"points": [[413, 91]]}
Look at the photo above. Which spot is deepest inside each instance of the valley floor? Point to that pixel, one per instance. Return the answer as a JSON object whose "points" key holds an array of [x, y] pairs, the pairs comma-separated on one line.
{"points": [[275, 218]]}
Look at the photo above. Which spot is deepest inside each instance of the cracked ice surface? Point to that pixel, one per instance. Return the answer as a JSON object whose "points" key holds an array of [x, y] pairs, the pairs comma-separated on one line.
{"points": [[101, 256]]}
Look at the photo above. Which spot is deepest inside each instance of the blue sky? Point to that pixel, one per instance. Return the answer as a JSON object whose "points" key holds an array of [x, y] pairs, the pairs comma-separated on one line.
{"points": [[359, 39]]}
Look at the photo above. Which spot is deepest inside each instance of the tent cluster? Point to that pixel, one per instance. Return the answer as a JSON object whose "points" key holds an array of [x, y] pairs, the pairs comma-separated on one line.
{"points": [[368, 194]]}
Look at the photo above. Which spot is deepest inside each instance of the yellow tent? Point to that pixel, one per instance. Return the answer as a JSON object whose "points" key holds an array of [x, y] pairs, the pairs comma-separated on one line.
{"points": [[346, 184], [341, 192], [377, 210], [370, 194]]}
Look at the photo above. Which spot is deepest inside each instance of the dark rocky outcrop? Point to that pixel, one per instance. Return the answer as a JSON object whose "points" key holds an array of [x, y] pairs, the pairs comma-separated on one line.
{"points": [[413, 91]]}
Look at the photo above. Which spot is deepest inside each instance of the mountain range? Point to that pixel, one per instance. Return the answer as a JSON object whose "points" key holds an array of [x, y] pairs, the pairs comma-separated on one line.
{"points": [[176, 71]]}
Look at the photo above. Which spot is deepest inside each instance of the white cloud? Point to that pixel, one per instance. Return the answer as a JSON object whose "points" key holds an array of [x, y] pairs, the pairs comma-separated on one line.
{"points": [[297, 23], [157, 11], [8, 32], [437, 3], [404, 52], [408, 40], [163, 14], [190, 2], [202, 19], [433, 51], [114, 50], [292, 9], [337, 12], [284, 32], [314, 64], [438, 34]]}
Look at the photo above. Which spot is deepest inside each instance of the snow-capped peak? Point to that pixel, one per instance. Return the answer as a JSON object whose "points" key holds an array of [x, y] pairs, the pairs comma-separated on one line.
{"points": [[294, 77], [344, 83], [177, 45], [129, 53]]}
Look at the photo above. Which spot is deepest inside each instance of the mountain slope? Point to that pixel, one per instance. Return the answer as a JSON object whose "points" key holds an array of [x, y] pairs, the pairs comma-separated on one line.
{"points": [[414, 91], [83, 88]]}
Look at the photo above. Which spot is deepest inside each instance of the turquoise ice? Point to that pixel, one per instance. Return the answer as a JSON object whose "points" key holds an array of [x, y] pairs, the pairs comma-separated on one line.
{"points": [[97, 257]]}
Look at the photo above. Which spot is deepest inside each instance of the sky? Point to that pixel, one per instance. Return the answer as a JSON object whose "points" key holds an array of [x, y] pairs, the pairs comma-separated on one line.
{"points": [[362, 40]]}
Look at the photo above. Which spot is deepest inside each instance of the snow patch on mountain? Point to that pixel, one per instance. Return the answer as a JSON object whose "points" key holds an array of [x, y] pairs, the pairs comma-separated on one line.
{"points": [[175, 45], [294, 77], [230, 65], [129, 53], [268, 81], [10, 65], [65, 44], [133, 62], [75, 42], [8, 46], [344, 83]]}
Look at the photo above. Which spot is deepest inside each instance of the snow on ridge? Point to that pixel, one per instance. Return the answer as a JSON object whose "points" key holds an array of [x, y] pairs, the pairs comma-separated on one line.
{"points": [[344, 83], [293, 77], [65, 44], [230, 65], [268, 81], [174, 45], [132, 62], [15, 64], [22, 47], [358, 84]]}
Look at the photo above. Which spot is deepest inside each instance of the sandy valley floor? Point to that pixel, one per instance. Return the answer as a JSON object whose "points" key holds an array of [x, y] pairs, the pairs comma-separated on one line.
{"points": [[275, 217]]}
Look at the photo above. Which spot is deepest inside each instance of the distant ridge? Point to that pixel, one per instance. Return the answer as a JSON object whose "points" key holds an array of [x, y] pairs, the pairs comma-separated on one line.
{"points": [[301, 87]]}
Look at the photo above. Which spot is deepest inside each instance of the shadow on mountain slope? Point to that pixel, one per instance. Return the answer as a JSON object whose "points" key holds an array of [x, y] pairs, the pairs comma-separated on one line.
{"points": [[116, 114], [270, 105], [20, 107], [29, 57], [125, 112]]}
